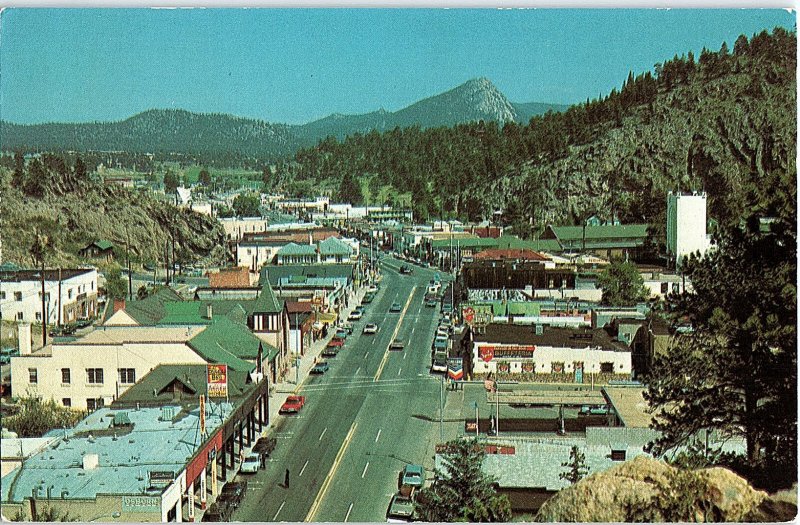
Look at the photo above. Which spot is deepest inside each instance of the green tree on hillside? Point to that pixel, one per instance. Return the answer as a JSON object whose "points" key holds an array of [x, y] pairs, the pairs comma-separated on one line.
{"points": [[171, 181], [622, 285], [737, 372], [461, 491], [18, 176], [204, 178], [350, 190]]}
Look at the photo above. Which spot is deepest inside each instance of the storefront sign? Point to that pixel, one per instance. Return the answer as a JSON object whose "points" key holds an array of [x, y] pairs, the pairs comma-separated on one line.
{"points": [[217, 380], [202, 415], [455, 368], [489, 352], [161, 477], [469, 314], [141, 504]]}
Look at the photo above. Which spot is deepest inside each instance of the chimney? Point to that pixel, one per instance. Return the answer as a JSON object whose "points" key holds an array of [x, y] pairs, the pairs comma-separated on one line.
{"points": [[209, 311], [119, 304], [24, 332]]}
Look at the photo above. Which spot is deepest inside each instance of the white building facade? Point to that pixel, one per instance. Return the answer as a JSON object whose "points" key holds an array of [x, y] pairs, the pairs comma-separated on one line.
{"points": [[686, 225], [69, 295]]}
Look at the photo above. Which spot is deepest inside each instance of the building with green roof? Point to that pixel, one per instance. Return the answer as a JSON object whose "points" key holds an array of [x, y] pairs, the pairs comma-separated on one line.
{"points": [[294, 253], [608, 240], [333, 251]]}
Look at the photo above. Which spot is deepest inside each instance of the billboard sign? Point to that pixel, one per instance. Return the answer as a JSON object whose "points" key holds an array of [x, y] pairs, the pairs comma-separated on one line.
{"points": [[217, 380]]}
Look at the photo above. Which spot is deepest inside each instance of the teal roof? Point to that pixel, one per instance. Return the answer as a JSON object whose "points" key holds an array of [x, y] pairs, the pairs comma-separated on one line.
{"points": [[273, 273], [297, 249], [151, 310], [103, 244], [334, 246], [266, 301], [184, 312], [230, 343], [546, 245]]}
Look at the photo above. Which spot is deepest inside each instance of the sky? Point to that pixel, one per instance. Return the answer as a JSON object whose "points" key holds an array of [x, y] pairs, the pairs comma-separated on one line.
{"points": [[297, 65]]}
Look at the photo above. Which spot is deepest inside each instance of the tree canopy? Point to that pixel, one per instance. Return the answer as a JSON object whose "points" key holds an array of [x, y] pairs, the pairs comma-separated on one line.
{"points": [[461, 491], [116, 287], [247, 205], [622, 285]]}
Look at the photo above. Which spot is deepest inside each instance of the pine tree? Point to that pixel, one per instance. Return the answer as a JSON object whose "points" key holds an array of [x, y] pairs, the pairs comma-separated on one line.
{"points": [[577, 468]]}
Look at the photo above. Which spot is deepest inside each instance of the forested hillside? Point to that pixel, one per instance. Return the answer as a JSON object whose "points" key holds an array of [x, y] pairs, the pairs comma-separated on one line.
{"points": [[62, 201], [724, 122]]}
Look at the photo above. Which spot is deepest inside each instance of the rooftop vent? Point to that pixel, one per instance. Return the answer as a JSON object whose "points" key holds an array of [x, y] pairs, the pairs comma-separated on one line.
{"points": [[90, 461]]}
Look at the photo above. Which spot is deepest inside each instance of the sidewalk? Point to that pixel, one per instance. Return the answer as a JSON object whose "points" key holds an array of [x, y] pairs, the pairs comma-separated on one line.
{"points": [[281, 391]]}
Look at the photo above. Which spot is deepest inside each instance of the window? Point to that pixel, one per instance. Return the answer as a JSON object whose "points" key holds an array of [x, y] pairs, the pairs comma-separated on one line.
{"points": [[69, 293], [127, 376], [664, 287], [33, 376], [92, 285], [93, 404], [617, 455], [39, 316], [19, 316], [18, 296], [2, 295], [65, 376], [606, 368], [676, 287], [94, 376], [67, 402], [46, 297]]}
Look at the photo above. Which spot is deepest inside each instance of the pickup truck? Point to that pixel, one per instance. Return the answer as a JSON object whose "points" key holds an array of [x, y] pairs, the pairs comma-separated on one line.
{"points": [[292, 405]]}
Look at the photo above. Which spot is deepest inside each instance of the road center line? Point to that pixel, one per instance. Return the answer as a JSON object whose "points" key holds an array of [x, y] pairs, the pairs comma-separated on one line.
{"points": [[379, 435], [303, 469], [323, 433], [357, 370], [350, 508], [365, 470], [400, 370], [279, 510], [315, 507], [366, 354], [394, 334]]}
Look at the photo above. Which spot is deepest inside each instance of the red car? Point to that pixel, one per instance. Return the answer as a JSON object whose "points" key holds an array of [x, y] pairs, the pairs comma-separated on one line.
{"points": [[336, 341], [292, 405]]}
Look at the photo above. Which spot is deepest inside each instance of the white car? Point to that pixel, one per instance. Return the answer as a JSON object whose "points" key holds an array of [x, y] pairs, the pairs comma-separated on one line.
{"points": [[370, 329], [355, 316], [373, 289], [250, 464]]}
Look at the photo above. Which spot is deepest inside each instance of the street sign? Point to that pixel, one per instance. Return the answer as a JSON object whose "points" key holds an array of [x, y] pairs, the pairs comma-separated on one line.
{"points": [[217, 380]]}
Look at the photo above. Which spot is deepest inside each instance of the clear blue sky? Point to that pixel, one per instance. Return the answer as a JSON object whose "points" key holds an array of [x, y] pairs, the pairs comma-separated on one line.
{"points": [[294, 66]]}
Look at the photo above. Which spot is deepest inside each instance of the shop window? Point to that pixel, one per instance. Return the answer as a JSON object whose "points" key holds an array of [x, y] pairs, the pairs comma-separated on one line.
{"points": [[33, 376], [94, 403], [606, 368], [65, 376], [94, 376], [18, 296]]}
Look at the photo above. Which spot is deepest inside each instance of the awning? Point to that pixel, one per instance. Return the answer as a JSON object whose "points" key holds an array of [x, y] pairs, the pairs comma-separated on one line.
{"points": [[326, 318]]}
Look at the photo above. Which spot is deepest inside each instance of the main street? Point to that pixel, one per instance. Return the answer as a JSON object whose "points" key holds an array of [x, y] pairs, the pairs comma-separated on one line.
{"points": [[373, 412]]}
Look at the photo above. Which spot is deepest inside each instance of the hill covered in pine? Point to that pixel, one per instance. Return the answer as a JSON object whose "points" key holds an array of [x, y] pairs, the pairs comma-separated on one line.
{"points": [[723, 122]]}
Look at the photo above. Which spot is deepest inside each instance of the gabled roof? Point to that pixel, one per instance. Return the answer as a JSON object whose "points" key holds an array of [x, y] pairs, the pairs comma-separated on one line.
{"points": [[183, 312], [511, 253], [228, 343], [616, 234], [334, 246], [266, 301], [151, 309], [297, 249], [102, 244], [193, 376]]}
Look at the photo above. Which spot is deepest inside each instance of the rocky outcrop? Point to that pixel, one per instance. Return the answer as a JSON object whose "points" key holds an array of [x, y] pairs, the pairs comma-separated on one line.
{"points": [[646, 489]]}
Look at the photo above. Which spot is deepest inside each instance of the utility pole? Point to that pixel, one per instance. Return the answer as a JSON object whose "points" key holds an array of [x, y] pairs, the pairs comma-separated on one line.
{"points": [[44, 308], [128, 260], [441, 411]]}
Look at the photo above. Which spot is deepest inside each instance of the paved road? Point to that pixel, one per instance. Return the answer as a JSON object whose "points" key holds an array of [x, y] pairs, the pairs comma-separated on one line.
{"points": [[374, 411]]}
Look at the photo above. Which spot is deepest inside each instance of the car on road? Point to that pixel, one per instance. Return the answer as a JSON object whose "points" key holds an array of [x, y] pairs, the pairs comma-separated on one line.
{"points": [[406, 270], [395, 307], [292, 405], [330, 351], [344, 325], [335, 342], [368, 298], [341, 333], [355, 315], [251, 463], [373, 289], [401, 508], [233, 492], [397, 344], [320, 368], [6, 354], [370, 329], [430, 302], [218, 512], [413, 476]]}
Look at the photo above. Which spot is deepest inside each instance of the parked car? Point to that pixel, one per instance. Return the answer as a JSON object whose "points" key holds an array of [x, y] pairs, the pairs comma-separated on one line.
{"points": [[336, 341], [373, 289], [370, 329], [218, 512], [341, 333], [397, 344], [292, 405], [320, 368], [251, 463], [367, 298], [401, 508], [395, 307], [346, 326], [233, 492], [264, 447], [355, 315], [330, 351], [413, 476], [430, 302]]}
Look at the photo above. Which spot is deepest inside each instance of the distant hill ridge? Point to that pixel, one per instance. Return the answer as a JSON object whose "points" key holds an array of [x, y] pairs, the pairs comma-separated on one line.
{"points": [[180, 131]]}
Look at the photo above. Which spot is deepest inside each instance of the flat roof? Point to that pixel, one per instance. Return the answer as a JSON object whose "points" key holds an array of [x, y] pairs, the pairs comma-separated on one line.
{"points": [[630, 405], [503, 333], [124, 459], [139, 334]]}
